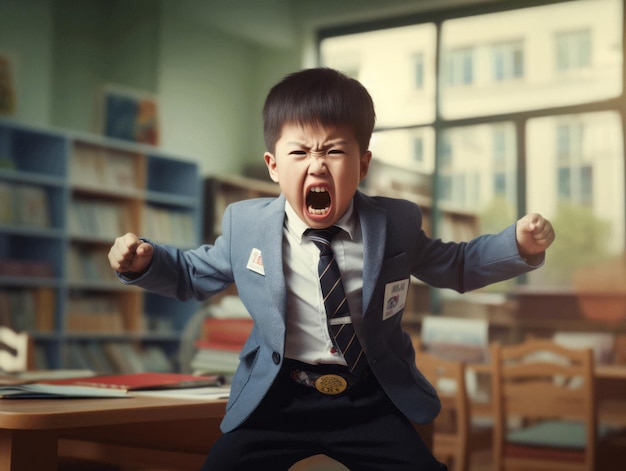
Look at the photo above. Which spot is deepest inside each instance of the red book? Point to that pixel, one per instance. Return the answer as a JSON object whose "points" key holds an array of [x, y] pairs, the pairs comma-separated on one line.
{"points": [[144, 381], [234, 331], [212, 345]]}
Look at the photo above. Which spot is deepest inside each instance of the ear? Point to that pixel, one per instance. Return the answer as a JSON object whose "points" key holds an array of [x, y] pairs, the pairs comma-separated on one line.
{"points": [[365, 165], [270, 161]]}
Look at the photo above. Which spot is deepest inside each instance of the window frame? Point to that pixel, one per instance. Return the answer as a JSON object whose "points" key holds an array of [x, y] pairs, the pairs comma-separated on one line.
{"points": [[519, 119]]}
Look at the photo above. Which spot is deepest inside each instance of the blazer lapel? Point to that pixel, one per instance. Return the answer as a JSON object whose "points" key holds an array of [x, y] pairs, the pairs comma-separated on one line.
{"points": [[270, 230], [374, 230]]}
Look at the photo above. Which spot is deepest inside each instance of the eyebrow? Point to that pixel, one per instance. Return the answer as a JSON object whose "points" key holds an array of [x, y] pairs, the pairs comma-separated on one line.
{"points": [[326, 144]]}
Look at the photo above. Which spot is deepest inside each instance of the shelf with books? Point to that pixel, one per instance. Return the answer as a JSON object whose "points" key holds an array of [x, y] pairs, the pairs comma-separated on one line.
{"points": [[28, 256], [223, 190], [30, 308], [88, 266], [172, 202], [172, 177], [64, 197], [96, 166], [174, 225]]}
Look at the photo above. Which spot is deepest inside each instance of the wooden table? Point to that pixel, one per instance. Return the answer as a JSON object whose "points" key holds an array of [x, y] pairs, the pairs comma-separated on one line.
{"points": [[164, 432]]}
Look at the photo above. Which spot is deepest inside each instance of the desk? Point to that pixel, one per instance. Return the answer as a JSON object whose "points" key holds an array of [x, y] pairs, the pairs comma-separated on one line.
{"points": [[155, 431]]}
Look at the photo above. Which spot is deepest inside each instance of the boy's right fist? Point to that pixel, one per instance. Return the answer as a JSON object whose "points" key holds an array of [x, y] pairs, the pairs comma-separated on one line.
{"points": [[130, 254]]}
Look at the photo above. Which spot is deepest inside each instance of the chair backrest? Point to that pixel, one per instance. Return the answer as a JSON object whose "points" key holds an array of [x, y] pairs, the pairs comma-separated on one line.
{"points": [[452, 426], [542, 383], [14, 350]]}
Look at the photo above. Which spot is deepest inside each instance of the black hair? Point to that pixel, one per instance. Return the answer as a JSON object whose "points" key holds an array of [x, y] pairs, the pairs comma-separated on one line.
{"points": [[318, 96]]}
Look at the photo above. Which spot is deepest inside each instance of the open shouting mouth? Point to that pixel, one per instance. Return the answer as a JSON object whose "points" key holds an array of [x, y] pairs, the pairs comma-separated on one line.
{"points": [[318, 201]]}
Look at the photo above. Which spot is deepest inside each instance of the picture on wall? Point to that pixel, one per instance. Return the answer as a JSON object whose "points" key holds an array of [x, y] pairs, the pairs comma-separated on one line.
{"points": [[7, 86], [130, 115]]}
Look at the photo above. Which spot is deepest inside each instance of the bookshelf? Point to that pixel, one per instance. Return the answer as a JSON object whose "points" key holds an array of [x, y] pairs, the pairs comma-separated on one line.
{"points": [[64, 197], [223, 190], [454, 224]]}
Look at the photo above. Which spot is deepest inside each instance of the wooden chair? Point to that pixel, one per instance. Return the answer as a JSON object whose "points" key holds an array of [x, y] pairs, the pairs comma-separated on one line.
{"points": [[454, 436], [15, 350], [545, 407], [460, 339]]}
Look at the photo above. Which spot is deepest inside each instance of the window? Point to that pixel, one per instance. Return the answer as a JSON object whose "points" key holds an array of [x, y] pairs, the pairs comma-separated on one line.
{"points": [[569, 140], [578, 182], [418, 151], [523, 115], [405, 53], [418, 60], [459, 67], [508, 61], [573, 50], [476, 174]]}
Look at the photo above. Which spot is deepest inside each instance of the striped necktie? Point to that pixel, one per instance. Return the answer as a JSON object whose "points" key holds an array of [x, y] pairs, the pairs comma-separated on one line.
{"points": [[337, 311]]}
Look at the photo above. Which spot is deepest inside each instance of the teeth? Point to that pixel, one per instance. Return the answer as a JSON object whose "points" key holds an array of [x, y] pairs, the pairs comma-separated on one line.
{"points": [[317, 189], [317, 212]]}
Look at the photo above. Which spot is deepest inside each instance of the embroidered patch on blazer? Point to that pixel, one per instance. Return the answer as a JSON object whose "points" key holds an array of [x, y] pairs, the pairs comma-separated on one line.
{"points": [[395, 297], [255, 262]]}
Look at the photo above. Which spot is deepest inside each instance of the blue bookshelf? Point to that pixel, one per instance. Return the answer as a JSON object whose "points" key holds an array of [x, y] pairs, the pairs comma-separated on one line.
{"points": [[64, 197]]}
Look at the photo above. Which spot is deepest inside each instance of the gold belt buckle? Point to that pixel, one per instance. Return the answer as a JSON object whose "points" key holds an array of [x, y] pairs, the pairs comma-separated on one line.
{"points": [[331, 384]]}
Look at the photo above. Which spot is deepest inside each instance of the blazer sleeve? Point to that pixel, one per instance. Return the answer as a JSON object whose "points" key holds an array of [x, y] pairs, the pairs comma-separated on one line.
{"points": [[199, 273], [466, 266]]}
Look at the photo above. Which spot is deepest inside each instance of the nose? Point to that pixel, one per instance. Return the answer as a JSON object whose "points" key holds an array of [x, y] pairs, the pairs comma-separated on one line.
{"points": [[317, 163]]}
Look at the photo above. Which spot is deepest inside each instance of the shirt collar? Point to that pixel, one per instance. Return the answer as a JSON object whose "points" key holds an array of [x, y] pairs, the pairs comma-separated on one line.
{"points": [[297, 226]]}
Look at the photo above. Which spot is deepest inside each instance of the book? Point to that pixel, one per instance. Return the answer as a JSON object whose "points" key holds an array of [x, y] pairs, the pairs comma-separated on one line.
{"points": [[147, 381], [227, 330], [6, 208], [215, 358], [32, 206]]}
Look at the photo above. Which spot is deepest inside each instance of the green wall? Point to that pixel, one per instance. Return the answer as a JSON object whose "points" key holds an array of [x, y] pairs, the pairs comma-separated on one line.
{"points": [[209, 62]]}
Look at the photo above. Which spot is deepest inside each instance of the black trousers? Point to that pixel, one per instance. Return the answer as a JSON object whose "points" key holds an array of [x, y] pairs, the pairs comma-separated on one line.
{"points": [[360, 428]]}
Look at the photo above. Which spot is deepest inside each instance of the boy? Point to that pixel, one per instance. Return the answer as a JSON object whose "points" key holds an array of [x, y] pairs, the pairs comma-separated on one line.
{"points": [[298, 390]]}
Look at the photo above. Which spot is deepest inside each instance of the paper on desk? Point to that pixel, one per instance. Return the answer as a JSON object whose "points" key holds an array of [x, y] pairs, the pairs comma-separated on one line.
{"points": [[50, 391], [24, 377], [202, 393]]}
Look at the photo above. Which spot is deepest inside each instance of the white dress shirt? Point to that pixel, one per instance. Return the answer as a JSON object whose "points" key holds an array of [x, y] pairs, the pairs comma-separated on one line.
{"points": [[308, 339]]}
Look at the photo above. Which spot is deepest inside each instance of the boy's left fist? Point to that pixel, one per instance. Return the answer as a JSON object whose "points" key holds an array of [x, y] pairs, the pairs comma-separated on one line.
{"points": [[534, 234]]}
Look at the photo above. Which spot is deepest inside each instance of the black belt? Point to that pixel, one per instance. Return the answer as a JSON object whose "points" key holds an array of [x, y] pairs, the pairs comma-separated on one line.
{"points": [[327, 379]]}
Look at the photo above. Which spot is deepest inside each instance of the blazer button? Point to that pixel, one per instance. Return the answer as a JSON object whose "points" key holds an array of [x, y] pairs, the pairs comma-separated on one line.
{"points": [[276, 358]]}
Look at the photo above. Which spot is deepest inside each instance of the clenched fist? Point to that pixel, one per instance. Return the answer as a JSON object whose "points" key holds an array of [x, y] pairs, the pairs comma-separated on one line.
{"points": [[534, 235], [130, 254]]}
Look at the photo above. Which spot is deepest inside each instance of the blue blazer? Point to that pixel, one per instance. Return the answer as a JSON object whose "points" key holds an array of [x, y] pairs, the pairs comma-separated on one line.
{"points": [[394, 249]]}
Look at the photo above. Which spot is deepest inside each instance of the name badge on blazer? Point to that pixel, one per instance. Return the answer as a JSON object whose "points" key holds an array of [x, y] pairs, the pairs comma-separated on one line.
{"points": [[255, 262], [395, 297]]}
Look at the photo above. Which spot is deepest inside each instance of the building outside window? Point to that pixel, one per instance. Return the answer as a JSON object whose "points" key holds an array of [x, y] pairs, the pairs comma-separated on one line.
{"points": [[458, 67], [573, 50], [523, 115], [508, 61]]}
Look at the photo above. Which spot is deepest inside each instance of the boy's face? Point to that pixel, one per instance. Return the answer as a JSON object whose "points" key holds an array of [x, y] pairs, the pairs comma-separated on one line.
{"points": [[318, 170]]}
